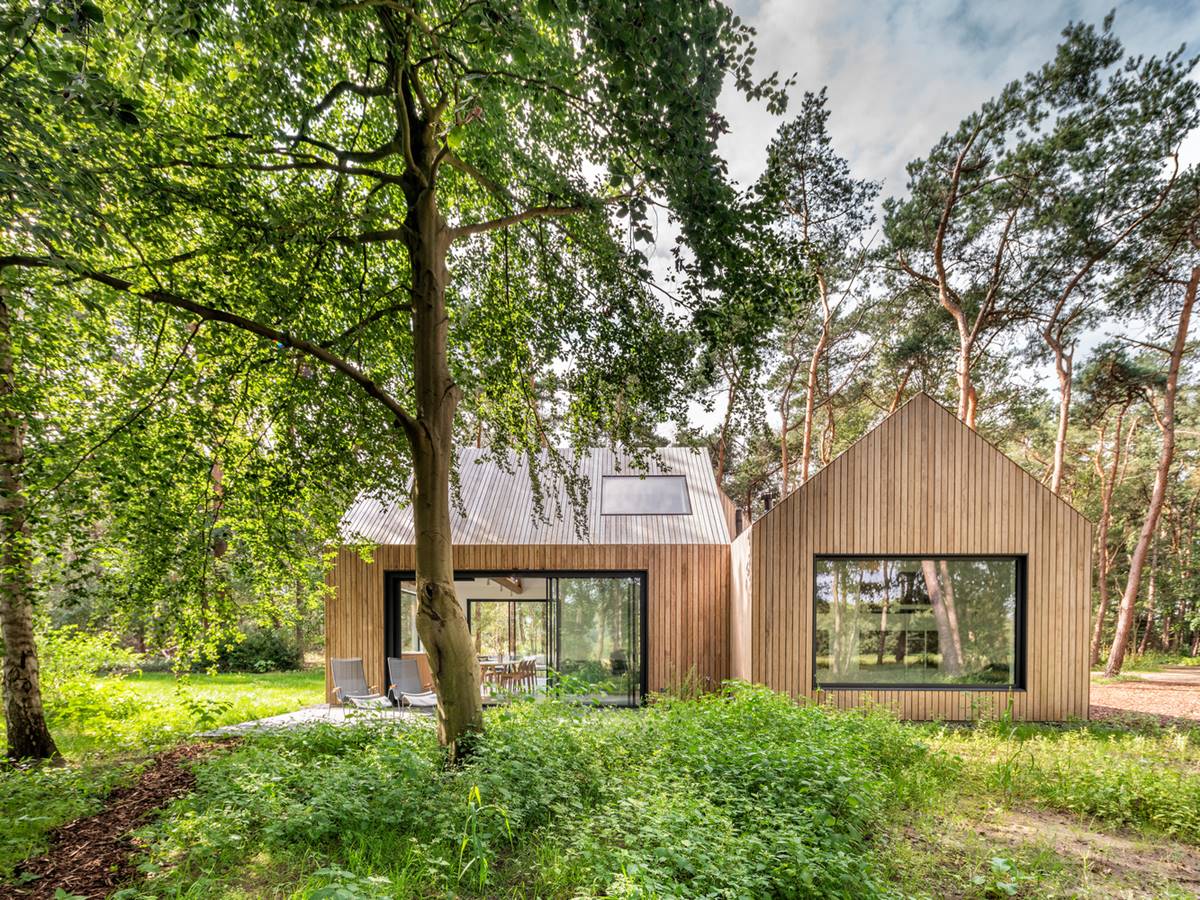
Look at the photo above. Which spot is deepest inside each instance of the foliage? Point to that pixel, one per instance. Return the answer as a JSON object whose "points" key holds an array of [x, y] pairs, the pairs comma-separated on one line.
{"points": [[723, 795], [261, 650], [70, 653], [737, 794]]}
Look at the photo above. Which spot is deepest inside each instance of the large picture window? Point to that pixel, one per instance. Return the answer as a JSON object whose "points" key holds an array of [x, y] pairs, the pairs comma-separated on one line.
{"points": [[918, 622]]}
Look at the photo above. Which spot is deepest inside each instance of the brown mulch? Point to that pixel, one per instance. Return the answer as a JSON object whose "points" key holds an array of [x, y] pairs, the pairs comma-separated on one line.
{"points": [[94, 855], [1169, 702]]}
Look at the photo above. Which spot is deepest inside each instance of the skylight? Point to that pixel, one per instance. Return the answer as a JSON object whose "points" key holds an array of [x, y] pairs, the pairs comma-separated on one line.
{"points": [[650, 495]]}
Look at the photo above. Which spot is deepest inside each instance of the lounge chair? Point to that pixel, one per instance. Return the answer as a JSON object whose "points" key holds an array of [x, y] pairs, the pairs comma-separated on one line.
{"points": [[350, 685], [406, 687]]}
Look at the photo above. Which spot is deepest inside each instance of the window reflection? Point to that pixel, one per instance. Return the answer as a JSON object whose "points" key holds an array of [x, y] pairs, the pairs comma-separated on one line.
{"points": [[925, 621]]}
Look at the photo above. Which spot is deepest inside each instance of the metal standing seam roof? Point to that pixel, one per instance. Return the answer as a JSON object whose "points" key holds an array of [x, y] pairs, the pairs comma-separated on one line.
{"points": [[499, 507]]}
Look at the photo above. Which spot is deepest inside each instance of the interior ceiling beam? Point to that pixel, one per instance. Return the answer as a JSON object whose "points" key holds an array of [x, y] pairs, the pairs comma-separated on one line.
{"points": [[513, 584]]}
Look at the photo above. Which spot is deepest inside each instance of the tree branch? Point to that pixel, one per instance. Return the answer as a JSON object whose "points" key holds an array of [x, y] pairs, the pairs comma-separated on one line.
{"points": [[209, 313], [535, 212]]}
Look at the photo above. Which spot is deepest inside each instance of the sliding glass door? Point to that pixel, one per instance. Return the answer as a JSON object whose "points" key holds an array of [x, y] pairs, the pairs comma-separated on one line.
{"points": [[599, 646], [585, 630]]}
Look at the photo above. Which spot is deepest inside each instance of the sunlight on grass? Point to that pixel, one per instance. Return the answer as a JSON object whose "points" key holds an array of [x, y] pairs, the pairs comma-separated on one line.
{"points": [[106, 714], [108, 724]]}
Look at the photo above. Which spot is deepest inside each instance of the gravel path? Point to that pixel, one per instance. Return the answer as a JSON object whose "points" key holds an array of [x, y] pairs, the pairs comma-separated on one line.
{"points": [[1170, 696]]}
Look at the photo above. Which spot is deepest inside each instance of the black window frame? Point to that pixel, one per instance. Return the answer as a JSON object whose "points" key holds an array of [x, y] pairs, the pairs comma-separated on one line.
{"points": [[393, 578], [1020, 618], [687, 494]]}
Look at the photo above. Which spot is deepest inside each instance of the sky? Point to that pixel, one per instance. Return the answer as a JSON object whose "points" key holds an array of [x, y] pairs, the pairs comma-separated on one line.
{"points": [[900, 74]]}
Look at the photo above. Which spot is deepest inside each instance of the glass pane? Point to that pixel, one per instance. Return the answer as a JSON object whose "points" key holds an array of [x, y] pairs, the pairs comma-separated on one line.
{"points": [[916, 621], [631, 495], [509, 628], [598, 637], [410, 642]]}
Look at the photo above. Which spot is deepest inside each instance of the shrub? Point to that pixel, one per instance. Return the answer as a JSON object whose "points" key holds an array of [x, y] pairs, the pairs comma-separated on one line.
{"points": [[67, 654], [261, 650]]}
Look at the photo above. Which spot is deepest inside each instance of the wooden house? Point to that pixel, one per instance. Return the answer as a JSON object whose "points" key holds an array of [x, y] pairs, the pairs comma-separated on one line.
{"points": [[633, 597], [922, 569]]}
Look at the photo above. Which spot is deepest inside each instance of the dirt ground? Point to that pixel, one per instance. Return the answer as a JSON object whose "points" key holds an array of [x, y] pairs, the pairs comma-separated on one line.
{"points": [[1104, 864], [92, 856], [1172, 696]]}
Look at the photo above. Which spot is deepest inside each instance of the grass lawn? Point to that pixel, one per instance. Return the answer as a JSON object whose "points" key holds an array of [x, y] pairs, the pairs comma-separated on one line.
{"points": [[106, 726], [741, 795], [133, 712]]}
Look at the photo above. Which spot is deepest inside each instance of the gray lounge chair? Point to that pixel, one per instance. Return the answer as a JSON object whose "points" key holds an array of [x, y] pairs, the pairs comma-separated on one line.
{"points": [[406, 687], [351, 688]]}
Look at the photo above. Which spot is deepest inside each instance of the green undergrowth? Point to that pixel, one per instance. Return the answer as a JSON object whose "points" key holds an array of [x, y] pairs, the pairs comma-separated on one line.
{"points": [[742, 794], [1153, 661], [35, 800], [737, 794], [1144, 778]]}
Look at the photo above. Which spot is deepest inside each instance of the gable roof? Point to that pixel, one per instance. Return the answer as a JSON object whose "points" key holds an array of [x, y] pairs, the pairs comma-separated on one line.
{"points": [[923, 409], [498, 508]]}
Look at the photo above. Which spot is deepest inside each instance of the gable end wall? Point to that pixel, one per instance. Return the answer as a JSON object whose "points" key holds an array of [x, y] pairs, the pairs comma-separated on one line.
{"points": [[922, 483]]}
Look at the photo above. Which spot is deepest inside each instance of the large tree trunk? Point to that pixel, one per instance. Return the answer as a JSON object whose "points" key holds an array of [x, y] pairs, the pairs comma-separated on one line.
{"points": [[733, 376], [301, 648], [1116, 656], [1151, 597], [968, 397], [1108, 484], [814, 371], [25, 722], [883, 616], [441, 621]]}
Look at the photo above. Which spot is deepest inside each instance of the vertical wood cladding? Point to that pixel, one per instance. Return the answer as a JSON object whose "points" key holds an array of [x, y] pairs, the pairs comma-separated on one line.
{"points": [[687, 622], [921, 483]]}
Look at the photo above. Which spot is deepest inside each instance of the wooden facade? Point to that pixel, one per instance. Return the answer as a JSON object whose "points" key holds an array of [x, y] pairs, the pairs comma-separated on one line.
{"points": [[718, 605], [685, 557], [921, 483], [687, 602]]}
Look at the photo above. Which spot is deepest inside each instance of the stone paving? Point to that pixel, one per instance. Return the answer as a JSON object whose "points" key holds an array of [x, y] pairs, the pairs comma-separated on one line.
{"points": [[323, 713]]}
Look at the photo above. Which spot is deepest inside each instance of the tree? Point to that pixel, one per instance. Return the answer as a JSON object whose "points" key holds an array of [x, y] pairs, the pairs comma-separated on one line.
{"points": [[813, 202], [1111, 382], [39, 402], [1104, 157], [957, 236], [309, 174], [963, 234], [1169, 268]]}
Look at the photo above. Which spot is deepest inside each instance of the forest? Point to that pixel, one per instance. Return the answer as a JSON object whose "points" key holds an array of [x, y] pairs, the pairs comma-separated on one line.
{"points": [[209, 345], [261, 258]]}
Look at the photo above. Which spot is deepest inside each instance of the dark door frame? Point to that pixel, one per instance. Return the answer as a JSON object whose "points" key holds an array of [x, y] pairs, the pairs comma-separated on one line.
{"points": [[393, 578]]}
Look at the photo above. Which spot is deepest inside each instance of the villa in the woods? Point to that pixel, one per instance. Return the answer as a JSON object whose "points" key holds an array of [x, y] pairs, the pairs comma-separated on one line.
{"points": [[921, 569]]}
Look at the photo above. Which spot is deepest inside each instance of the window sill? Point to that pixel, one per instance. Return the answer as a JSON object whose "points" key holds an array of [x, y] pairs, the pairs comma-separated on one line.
{"points": [[966, 688]]}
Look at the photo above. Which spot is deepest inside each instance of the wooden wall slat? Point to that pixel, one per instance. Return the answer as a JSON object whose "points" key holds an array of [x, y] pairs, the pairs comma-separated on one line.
{"points": [[923, 483]]}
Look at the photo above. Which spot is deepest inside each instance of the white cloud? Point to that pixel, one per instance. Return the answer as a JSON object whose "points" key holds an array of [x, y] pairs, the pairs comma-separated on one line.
{"points": [[900, 74]]}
